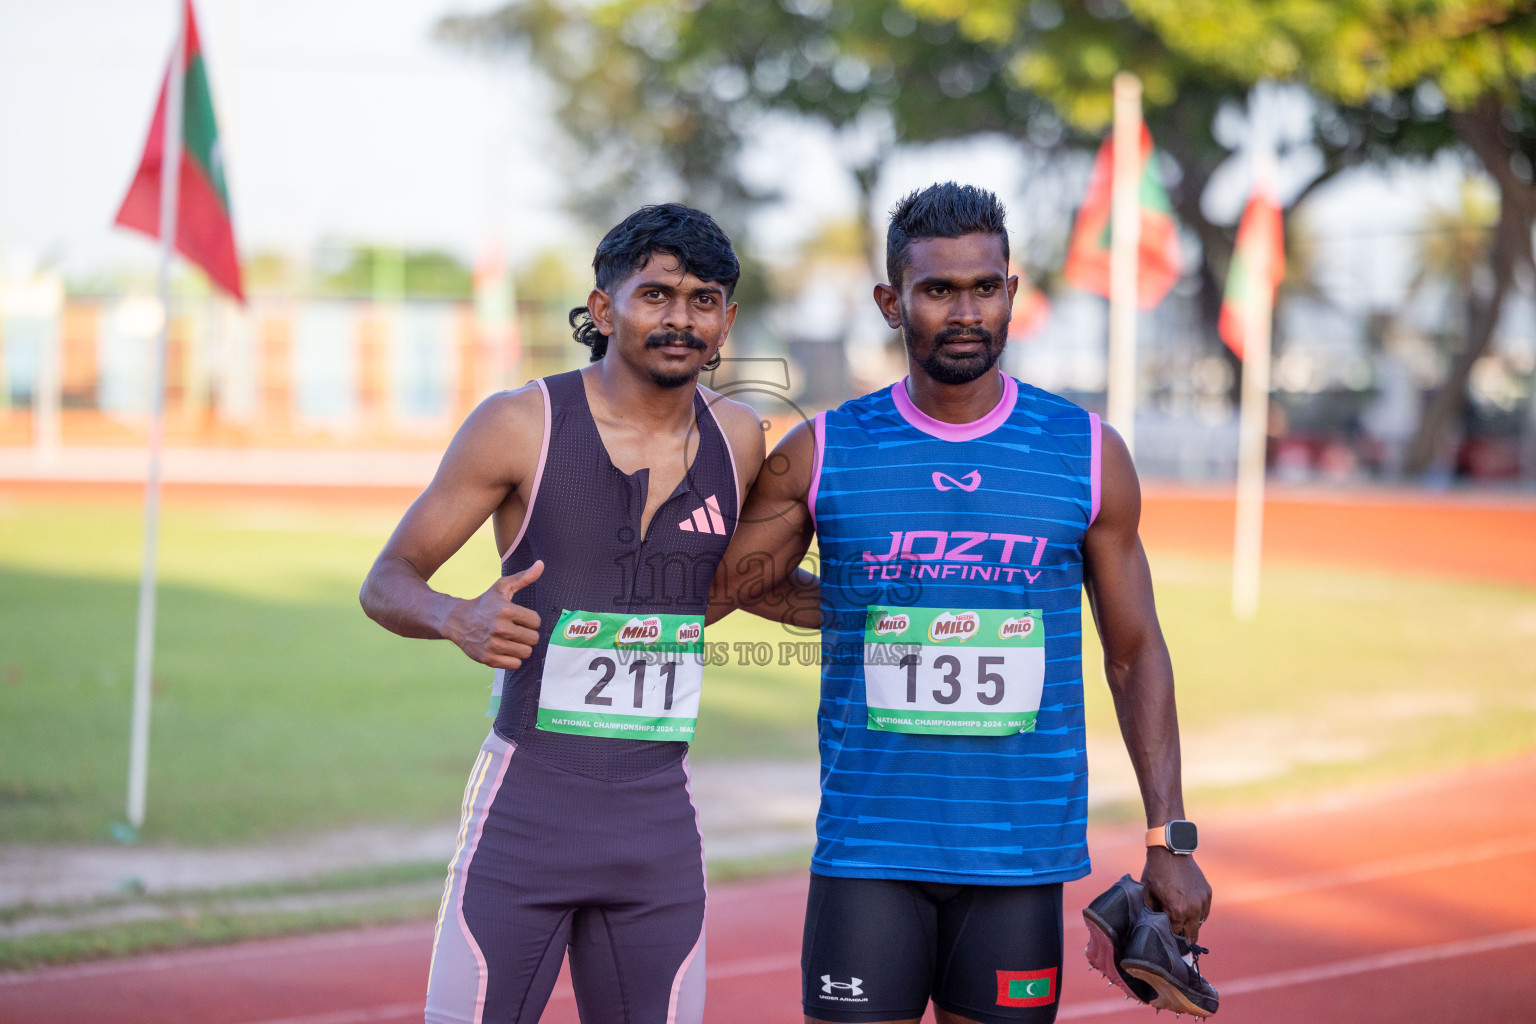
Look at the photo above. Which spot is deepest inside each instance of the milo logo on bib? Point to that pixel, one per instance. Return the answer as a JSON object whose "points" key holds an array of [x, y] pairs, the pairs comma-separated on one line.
{"points": [[1011, 629], [619, 675], [576, 629], [959, 627], [640, 631], [977, 672]]}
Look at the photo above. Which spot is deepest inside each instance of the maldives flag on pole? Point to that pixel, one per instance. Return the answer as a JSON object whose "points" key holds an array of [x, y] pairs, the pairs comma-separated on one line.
{"points": [[1258, 261], [204, 233], [1158, 262]]}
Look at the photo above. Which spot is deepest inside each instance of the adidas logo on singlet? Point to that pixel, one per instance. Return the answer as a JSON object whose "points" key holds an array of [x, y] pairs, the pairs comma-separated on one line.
{"points": [[706, 519]]}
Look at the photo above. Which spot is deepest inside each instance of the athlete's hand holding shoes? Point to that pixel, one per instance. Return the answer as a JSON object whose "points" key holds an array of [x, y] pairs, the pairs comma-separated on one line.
{"points": [[1178, 888], [1141, 935]]}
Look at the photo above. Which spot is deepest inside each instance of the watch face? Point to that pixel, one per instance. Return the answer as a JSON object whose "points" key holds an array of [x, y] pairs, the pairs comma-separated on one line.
{"points": [[1182, 836]]}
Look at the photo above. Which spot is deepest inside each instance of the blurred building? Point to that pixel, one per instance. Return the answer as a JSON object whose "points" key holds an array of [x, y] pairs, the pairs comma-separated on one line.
{"points": [[364, 349]]}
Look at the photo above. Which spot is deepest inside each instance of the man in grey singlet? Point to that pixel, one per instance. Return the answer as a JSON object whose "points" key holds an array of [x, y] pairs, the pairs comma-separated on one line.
{"points": [[613, 491]]}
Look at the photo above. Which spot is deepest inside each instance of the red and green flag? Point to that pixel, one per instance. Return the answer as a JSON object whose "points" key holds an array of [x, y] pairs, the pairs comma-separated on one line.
{"points": [[1258, 262], [204, 232], [1158, 262], [1026, 988]]}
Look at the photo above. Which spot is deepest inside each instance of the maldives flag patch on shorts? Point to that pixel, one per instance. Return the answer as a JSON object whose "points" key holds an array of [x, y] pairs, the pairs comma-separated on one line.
{"points": [[1026, 988]]}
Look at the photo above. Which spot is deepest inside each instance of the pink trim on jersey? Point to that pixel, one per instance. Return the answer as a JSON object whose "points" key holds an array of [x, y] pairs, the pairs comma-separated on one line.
{"points": [[1095, 463], [819, 429], [682, 978], [730, 457], [538, 475], [956, 431], [474, 845]]}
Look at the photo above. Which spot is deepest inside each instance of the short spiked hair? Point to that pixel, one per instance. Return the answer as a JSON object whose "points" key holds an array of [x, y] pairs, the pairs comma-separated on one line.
{"points": [[944, 210]]}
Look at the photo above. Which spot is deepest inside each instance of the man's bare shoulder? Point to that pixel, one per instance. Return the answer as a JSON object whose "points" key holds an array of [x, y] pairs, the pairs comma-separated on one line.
{"points": [[733, 415], [517, 408], [739, 420], [501, 438]]}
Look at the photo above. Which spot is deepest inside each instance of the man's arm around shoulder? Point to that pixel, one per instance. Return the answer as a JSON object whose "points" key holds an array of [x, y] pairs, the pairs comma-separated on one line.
{"points": [[759, 572]]}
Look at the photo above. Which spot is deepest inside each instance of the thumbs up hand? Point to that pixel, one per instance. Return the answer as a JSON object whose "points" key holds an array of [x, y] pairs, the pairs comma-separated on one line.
{"points": [[492, 628]]}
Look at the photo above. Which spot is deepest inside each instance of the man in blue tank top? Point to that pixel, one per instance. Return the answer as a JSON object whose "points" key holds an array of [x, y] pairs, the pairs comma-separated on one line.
{"points": [[613, 492], [960, 514]]}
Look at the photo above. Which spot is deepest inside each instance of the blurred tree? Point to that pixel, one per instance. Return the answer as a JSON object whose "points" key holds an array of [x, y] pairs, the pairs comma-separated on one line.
{"points": [[662, 97], [1453, 250], [1467, 67], [1067, 54], [385, 272], [268, 271], [657, 96]]}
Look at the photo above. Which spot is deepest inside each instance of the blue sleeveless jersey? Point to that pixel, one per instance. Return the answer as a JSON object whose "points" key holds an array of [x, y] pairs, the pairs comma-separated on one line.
{"points": [[904, 505]]}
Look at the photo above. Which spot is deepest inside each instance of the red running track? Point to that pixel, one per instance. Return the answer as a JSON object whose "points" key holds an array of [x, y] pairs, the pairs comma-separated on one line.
{"points": [[1414, 903]]}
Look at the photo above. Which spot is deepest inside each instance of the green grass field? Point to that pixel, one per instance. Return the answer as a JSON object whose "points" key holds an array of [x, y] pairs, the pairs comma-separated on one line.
{"points": [[280, 709]]}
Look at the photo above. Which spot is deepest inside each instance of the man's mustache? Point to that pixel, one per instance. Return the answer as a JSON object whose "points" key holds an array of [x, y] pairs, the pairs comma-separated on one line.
{"points": [[957, 334], [661, 338]]}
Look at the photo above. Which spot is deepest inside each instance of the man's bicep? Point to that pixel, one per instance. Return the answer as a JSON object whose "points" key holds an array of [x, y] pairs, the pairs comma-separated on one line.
{"points": [[487, 460], [775, 523], [778, 499]]}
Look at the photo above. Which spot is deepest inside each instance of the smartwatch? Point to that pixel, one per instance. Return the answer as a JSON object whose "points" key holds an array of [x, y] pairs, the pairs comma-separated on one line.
{"points": [[1178, 836]]}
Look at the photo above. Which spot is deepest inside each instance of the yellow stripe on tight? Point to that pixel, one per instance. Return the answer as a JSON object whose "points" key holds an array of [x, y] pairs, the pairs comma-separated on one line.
{"points": [[466, 811]]}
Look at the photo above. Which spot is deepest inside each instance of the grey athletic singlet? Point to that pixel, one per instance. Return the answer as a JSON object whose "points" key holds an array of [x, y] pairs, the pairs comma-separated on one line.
{"points": [[584, 522], [585, 843]]}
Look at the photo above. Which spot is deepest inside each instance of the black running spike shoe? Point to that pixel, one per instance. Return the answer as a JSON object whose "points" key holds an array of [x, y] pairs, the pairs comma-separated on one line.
{"points": [[1170, 965], [1110, 918]]}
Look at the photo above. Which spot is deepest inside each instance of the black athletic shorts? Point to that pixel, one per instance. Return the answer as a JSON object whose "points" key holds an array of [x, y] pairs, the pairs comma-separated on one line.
{"points": [[878, 950]]}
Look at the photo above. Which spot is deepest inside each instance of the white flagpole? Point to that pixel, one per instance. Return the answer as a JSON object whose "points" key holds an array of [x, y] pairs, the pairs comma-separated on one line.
{"points": [[1124, 244], [1253, 424], [144, 646]]}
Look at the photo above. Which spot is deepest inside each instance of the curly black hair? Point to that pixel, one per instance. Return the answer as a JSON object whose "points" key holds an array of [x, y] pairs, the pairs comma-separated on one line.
{"points": [[690, 236]]}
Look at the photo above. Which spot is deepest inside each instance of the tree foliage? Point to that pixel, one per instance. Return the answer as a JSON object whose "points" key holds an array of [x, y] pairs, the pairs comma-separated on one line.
{"points": [[656, 94], [659, 97], [1469, 65], [1392, 79]]}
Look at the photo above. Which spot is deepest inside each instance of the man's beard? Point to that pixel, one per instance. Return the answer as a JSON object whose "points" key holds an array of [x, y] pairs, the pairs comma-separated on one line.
{"points": [[947, 367], [674, 378]]}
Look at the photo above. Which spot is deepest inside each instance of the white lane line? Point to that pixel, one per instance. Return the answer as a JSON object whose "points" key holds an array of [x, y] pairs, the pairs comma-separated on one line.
{"points": [[396, 1011], [1325, 972], [730, 969], [1373, 871], [1253, 892], [1377, 870], [1240, 986], [324, 942], [757, 965], [390, 1011]]}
